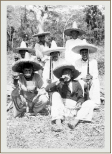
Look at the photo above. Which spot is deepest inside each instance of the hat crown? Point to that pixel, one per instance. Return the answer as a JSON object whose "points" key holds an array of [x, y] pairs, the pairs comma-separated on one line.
{"points": [[23, 45], [40, 30], [53, 44], [27, 56], [74, 25], [84, 41]]}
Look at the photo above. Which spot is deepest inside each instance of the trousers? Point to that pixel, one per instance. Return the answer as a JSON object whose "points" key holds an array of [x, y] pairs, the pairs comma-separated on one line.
{"points": [[19, 103], [62, 108]]}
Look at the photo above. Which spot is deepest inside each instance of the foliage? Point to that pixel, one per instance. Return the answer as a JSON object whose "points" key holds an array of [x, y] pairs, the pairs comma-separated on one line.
{"points": [[95, 24], [22, 22]]}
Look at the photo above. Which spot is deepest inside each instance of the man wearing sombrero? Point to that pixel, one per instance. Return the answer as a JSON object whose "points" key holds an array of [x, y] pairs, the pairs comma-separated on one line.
{"points": [[43, 37], [54, 60], [23, 49], [85, 64], [29, 95], [74, 33], [67, 98]]}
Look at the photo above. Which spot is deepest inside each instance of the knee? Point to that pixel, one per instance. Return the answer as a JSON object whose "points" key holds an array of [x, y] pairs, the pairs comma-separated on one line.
{"points": [[15, 92], [88, 103], [44, 99], [56, 95]]}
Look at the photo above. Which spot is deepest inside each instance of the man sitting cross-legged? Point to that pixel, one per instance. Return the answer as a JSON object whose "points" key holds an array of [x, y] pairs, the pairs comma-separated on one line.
{"points": [[67, 98]]}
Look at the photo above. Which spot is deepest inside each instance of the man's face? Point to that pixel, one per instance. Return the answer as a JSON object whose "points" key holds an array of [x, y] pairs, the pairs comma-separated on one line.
{"points": [[28, 72], [42, 38], [74, 34], [84, 53], [67, 74], [55, 56], [22, 53], [47, 38]]}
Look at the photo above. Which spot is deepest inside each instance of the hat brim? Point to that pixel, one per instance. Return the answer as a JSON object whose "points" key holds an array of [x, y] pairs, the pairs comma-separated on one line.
{"points": [[58, 71], [18, 50], [17, 66], [40, 34], [51, 50], [68, 31], [91, 48]]}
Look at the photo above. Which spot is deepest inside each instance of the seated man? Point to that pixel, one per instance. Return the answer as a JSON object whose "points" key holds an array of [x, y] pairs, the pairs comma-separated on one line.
{"points": [[67, 99], [89, 71], [28, 95]]}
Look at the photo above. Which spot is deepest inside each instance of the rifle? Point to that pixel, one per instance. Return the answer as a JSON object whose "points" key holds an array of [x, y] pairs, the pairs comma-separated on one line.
{"points": [[88, 86], [50, 77]]}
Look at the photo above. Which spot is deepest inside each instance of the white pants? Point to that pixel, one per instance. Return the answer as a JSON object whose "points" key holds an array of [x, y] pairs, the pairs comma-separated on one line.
{"points": [[94, 92], [66, 108]]}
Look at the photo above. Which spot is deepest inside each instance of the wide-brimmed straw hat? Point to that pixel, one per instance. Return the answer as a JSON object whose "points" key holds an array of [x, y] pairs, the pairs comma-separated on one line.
{"points": [[84, 45], [24, 47], [74, 28], [59, 69], [54, 48], [18, 65], [41, 32]]}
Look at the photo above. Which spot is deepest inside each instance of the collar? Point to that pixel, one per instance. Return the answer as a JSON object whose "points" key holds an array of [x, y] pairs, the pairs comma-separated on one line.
{"points": [[84, 61]]}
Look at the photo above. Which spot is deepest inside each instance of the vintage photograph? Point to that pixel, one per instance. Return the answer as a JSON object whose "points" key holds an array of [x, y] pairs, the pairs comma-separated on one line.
{"points": [[55, 76]]}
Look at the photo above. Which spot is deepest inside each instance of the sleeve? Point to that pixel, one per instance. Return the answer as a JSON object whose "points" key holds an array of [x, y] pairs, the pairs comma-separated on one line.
{"points": [[51, 87], [39, 81], [80, 98], [46, 73], [21, 83], [94, 69], [66, 49], [39, 53]]}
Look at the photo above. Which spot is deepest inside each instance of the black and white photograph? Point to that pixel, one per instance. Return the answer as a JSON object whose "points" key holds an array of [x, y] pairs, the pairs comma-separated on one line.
{"points": [[55, 76]]}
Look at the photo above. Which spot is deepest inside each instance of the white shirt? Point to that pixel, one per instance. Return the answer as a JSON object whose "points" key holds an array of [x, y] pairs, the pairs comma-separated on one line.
{"points": [[82, 67], [46, 71]]}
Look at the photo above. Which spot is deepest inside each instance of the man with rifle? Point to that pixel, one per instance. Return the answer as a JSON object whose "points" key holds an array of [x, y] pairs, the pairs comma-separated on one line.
{"points": [[54, 54], [89, 72]]}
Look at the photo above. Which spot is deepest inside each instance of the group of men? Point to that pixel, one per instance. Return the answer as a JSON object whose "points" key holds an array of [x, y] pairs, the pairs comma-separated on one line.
{"points": [[71, 84]]}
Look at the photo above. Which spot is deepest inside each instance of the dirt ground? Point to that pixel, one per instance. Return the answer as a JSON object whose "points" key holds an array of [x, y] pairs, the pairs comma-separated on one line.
{"points": [[35, 132]]}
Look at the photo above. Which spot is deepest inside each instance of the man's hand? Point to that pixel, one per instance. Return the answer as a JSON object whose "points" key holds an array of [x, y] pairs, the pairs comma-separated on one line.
{"points": [[40, 92], [78, 106], [89, 77], [49, 81]]}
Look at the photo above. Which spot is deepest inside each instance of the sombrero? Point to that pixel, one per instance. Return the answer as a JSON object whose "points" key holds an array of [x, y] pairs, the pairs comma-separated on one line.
{"points": [[41, 32], [84, 45], [59, 69], [54, 48], [23, 47], [74, 28], [18, 65]]}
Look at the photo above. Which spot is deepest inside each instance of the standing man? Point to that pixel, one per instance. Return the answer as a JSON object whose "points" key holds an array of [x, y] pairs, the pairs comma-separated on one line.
{"points": [[41, 44], [54, 54], [74, 33], [89, 70], [23, 49]]}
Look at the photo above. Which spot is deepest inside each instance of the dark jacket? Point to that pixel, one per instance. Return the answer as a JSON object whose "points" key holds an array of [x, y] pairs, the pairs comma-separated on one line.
{"points": [[63, 89]]}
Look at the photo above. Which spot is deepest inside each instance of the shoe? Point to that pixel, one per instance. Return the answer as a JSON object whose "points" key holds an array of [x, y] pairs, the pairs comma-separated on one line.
{"points": [[58, 126], [73, 124]]}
